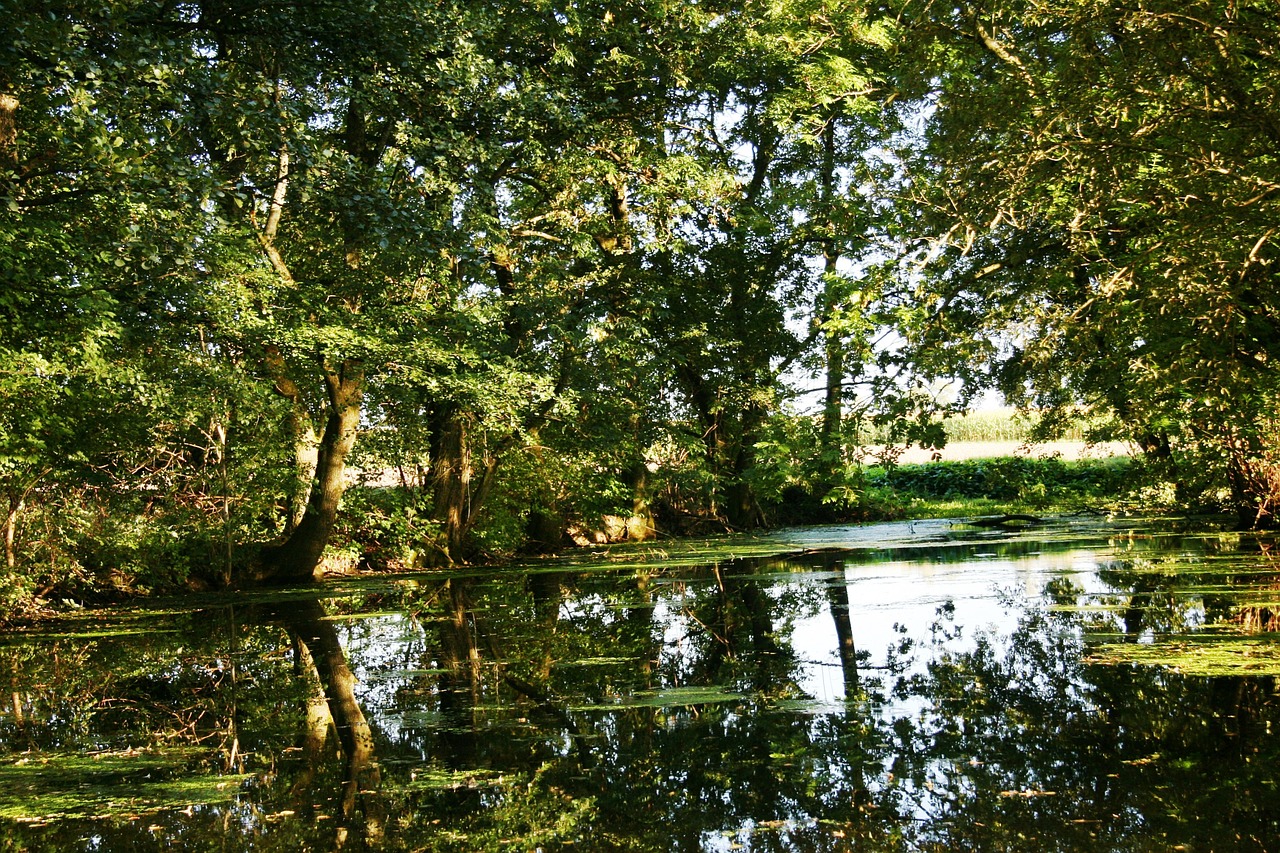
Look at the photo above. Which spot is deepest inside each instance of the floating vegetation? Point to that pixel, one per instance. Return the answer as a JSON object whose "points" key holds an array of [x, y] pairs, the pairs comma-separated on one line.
{"points": [[418, 718], [103, 633], [45, 787], [811, 707], [1211, 655], [692, 553], [433, 777], [671, 697], [345, 618], [600, 660]]}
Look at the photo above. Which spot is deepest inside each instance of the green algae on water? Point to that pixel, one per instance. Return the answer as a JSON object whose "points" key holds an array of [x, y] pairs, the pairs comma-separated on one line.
{"points": [[45, 787], [434, 777], [671, 697], [1199, 656]]}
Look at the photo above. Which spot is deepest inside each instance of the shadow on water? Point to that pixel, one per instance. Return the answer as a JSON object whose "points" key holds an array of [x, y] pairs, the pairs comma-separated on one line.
{"points": [[1082, 687]]}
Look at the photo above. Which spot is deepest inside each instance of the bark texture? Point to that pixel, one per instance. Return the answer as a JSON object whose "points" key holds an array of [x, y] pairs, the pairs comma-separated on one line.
{"points": [[299, 557], [8, 130]]}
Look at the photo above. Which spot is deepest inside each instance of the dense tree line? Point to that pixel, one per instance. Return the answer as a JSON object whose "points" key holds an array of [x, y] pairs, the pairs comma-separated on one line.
{"points": [[544, 262]]}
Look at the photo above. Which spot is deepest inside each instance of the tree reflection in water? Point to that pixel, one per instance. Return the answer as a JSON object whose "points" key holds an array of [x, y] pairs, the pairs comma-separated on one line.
{"points": [[748, 703], [330, 704]]}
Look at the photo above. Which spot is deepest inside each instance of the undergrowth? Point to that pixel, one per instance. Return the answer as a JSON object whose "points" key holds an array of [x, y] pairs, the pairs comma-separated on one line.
{"points": [[1033, 482]]}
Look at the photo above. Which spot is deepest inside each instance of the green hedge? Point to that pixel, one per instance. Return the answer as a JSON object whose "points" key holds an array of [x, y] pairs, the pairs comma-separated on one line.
{"points": [[1010, 478]]}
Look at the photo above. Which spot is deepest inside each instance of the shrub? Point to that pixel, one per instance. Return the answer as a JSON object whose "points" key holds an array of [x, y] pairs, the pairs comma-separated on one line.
{"points": [[1038, 482]]}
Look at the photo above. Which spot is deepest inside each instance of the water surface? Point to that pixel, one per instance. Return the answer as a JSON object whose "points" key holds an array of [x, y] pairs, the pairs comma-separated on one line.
{"points": [[1085, 685]]}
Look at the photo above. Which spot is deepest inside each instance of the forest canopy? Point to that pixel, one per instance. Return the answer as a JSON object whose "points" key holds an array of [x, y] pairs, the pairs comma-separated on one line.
{"points": [[673, 262]]}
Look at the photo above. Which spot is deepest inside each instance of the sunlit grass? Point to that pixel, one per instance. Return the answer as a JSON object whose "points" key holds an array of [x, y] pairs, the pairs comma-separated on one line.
{"points": [[920, 508]]}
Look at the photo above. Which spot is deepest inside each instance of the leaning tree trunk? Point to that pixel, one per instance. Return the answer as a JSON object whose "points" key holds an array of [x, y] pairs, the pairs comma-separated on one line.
{"points": [[17, 503], [298, 558]]}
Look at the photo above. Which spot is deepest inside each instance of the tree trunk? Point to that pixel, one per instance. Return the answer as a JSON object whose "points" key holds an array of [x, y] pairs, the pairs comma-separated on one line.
{"points": [[298, 558], [306, 456], [11, 530], [17, 503], [833, 405], [833, 341], [640, 525], [1244, 494], [742, 506], [306, 444], [451, 461]]}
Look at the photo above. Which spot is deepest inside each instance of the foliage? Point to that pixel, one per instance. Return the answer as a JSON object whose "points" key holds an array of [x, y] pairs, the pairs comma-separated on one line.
{"points": [[1101, 179], [584, 259], [1036, 482], [106, 785], [384, 528]]}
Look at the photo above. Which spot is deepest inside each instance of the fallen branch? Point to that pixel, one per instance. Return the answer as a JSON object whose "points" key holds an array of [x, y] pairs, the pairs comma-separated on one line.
{"points": [[1007, 521]]}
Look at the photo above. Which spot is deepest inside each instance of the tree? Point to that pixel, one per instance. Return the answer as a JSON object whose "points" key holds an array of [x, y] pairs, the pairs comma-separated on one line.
{"points": [[340, 187], [792, 101], [1106, 180], [94, 227]]}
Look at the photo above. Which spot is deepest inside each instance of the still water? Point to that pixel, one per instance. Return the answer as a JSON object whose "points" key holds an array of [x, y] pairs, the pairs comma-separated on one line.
{"points": [[1084, 685]]}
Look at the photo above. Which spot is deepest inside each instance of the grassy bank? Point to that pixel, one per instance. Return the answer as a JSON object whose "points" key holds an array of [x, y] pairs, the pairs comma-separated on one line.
{"points": [[989, 486]]}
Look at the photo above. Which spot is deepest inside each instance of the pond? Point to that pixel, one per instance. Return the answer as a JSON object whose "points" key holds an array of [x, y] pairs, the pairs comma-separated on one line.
{"points": [[1082, 685]]}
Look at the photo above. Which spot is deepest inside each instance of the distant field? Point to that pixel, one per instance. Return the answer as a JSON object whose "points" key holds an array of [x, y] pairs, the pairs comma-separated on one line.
{"points": [[957, 451], [1004, 432]]}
